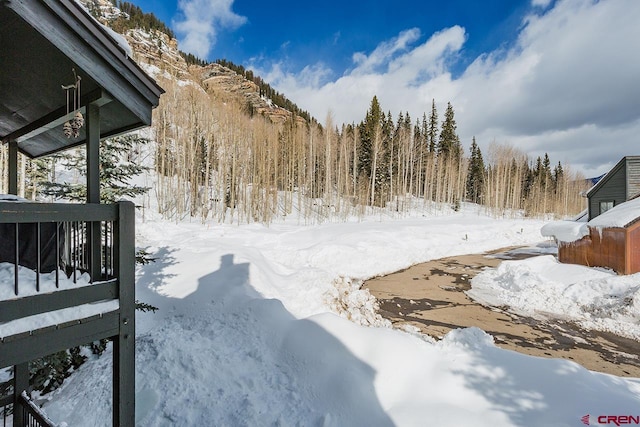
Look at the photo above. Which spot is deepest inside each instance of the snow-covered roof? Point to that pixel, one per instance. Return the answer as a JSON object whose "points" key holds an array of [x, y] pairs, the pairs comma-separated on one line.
{"points": [[619, 216]]}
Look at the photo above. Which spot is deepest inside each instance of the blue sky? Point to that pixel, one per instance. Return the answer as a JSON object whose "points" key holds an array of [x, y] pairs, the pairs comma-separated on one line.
{"points": [[554, 76], [331, 31]]}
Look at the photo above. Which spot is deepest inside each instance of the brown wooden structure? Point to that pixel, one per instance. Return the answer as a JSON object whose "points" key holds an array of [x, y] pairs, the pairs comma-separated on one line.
{"points": [[44, 45], [608, 245], [617, 248]]}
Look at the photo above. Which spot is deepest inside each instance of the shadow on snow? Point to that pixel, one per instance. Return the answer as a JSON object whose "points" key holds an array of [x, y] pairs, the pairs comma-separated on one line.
{"points": [[225, 355]]}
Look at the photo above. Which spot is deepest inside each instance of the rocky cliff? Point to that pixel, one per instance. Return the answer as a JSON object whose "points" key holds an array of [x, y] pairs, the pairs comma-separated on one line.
{"points": [[158, 53]]}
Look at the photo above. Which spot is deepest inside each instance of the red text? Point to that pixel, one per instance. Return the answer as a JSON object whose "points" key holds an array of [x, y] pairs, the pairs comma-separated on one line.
{"points": [[619, 420]]}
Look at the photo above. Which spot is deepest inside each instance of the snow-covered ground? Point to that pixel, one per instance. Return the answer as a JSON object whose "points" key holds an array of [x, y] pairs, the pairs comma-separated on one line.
{"points": [[245, 335]]}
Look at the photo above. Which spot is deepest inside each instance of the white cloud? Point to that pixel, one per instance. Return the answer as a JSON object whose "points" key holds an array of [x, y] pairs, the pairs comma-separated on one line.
{"points": [[385, 50], [388, 72], [541, 3], [200, 22], [568, 86]]}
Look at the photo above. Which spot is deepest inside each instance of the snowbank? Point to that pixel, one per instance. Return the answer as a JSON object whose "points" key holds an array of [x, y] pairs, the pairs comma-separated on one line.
{"points": [[541, 286]]}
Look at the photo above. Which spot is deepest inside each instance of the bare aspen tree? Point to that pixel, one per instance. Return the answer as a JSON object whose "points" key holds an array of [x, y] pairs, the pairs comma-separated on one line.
{"points": [[328, 160]]}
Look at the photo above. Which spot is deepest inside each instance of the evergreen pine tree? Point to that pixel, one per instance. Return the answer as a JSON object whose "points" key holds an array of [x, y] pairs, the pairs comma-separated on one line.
{"points": [[37, 172], [116, 170], [368, 129], [432, 131], [418, 137], [475, 176], [527, 179], [537, 170], [385, 161], [449, 142], [546, 164], [542, 172], [558, 175]]}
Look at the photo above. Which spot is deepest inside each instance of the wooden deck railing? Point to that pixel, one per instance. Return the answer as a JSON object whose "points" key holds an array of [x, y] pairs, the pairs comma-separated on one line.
{"points": [[93, 238]]}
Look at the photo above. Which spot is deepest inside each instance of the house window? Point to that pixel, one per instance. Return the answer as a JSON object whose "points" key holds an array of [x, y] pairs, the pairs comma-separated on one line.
{"points": [[605, 206]]}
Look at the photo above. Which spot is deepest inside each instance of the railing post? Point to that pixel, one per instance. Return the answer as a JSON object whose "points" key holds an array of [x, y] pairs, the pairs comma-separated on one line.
{"points": [[20, 383], [93, 153], [13, 168], [124, 343]]}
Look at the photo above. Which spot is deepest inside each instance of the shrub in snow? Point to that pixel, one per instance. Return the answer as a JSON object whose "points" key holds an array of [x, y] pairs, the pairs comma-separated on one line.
{"points": [[347, 299], [48, 373]]}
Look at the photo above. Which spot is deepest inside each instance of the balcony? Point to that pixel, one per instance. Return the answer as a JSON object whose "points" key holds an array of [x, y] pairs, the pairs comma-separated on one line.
{"points": [[45, 312]]}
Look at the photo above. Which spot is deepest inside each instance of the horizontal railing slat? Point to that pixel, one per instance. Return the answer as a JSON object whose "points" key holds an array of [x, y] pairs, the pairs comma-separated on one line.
{"points": [[17, 212], [66, 298], [38, 345]]}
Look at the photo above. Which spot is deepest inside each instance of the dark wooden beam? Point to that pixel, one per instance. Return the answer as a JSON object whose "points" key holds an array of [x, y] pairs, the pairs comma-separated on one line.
{"points": [[109, 134], [92, 121], [56, 212], [124, 368], [13, 167], [58, 117], [39, 343]]}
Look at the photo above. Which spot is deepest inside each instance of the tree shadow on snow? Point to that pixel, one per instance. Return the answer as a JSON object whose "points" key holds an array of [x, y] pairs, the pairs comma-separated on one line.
{"points": [[151, 277], [228, 356], [536, 391]]}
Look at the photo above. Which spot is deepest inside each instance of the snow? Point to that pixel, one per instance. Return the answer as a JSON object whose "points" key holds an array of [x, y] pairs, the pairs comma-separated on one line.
{"points": [[618, 216], [267, 326], [12, 198], [120, 39], [565, 231], [27, 281], [541, 286]]}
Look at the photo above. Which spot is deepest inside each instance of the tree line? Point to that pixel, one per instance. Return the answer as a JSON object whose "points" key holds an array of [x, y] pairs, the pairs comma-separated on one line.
{"points": [[133, 17], [214, 161]]}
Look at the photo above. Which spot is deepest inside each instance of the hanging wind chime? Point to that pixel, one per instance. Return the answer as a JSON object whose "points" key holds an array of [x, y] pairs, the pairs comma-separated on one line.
{"points": [[71, 128]]}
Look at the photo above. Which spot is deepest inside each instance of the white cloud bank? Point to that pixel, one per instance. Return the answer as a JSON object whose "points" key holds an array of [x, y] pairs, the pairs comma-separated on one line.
{"points": [[568, 86], [200, 21]]}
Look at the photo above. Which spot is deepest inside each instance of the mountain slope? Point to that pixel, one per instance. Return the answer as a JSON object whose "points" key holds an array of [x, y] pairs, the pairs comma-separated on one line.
{"points": [[155, 48]]}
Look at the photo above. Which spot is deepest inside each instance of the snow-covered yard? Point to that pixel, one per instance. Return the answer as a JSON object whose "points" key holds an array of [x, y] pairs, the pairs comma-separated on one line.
{"points": [[245, 337]]}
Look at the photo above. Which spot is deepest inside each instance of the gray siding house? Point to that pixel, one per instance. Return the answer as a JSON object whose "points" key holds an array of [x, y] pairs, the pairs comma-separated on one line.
{"points": [[622, 183]]}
